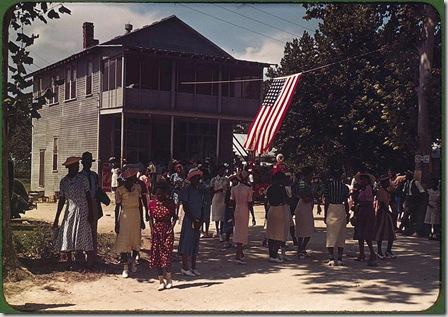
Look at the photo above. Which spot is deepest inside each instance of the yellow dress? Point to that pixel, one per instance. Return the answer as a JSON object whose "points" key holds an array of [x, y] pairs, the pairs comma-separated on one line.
{"points": [[129, 236]]}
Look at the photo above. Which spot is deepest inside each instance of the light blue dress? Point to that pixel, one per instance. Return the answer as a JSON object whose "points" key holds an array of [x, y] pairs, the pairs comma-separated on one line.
{"points": [[194, 198]]}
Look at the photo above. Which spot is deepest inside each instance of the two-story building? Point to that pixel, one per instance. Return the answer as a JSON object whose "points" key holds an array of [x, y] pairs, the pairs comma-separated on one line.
{"points": [[126, 98]]}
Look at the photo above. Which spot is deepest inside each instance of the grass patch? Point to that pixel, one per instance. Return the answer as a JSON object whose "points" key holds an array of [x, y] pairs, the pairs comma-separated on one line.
{"points": [[33, 239]]}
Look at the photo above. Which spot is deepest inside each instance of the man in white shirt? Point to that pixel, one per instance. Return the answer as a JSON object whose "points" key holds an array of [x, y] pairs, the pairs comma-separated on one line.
{"points": [[413, 217]]}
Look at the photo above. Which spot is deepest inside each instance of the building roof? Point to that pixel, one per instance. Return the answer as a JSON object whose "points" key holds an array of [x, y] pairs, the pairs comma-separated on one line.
{"points": [[170, 36]]}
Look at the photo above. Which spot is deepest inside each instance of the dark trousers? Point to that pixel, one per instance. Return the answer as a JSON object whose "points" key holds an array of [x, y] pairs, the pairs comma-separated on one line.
{"points": [[124, 257], [274, 246]]}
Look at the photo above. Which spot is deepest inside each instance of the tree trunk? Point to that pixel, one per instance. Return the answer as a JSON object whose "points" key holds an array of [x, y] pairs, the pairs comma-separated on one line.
{"points": [[423, 169], [8, 251]]}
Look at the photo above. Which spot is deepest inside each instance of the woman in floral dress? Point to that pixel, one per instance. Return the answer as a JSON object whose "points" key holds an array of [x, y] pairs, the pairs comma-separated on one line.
{"points": [[162, 218], [75, 234]]}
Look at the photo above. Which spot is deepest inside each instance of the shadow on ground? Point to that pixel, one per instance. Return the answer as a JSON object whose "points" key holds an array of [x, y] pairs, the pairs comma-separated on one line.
{"points": [[386, 283]]}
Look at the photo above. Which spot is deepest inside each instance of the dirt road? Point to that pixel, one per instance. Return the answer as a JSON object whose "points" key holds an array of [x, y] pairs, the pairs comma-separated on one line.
{"points": [[408, 283]]}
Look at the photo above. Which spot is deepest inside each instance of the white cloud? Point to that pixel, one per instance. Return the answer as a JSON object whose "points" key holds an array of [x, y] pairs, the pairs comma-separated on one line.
{"points": [[63, 37], [269, 51]]}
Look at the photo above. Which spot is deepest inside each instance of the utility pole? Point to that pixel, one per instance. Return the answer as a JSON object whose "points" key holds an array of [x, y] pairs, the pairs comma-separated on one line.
{"points": [[425, 50]]}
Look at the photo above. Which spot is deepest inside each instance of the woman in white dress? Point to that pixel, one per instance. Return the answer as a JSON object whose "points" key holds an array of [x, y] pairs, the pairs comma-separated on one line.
{"points": [[432, 217], [218, 187]]}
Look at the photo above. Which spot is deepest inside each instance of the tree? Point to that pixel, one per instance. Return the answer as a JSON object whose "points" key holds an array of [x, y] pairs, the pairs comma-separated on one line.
{"points": [[360, 110], [19, 104]]}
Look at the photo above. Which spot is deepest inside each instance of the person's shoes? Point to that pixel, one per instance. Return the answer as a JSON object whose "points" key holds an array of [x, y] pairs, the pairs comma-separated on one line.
{"points": [[227, 245], [380, 256], [221, 238], [187, 273], [339, 263], [162, 283], [283, 257], [169, 281], [390, 255], [301, 256], [331, 262], [134, 266], [275, 260], [125, 273], [196, 272]]}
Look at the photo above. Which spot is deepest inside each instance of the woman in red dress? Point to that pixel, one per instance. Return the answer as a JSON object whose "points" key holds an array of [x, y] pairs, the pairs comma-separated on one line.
{"points": [[162, 218]]}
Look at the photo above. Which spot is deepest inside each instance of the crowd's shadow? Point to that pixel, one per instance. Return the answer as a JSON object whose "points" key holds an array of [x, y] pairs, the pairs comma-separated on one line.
{"points": [[415, 271]]}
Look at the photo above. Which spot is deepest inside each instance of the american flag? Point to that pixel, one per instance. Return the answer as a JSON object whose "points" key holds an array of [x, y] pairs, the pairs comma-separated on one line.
{"points": [[271, 114]]}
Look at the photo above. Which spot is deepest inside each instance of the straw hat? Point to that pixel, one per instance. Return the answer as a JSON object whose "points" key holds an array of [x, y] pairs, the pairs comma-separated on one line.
{"points": [[129, 172], [194, 172], [71, 160]]}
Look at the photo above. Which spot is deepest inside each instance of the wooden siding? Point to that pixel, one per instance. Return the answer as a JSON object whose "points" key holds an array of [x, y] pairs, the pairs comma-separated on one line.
{"points": [[74, 123]]}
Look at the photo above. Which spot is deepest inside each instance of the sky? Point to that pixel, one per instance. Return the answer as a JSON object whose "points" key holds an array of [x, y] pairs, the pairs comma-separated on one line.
{"points": [[242, 30]]}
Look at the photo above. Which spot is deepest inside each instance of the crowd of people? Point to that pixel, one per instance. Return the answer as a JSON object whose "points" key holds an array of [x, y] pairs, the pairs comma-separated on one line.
{"points": [[198, 194]]}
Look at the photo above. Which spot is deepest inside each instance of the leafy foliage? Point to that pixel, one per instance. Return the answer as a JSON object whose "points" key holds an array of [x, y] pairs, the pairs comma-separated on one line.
{"points": [[363, 110], [20, 105], [19, 102]]}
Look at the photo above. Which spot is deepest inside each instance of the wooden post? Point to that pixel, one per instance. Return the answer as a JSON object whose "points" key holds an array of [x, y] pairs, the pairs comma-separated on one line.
{"points": [[218, 138], [123, 80], [122, 138], [173, 85], [172, 138]]}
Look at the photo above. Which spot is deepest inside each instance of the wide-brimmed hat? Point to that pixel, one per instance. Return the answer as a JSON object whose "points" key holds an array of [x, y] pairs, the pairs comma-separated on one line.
{"points": [[71, 160], [359, 174], [87, 157], [129, 172], [194, 172]]}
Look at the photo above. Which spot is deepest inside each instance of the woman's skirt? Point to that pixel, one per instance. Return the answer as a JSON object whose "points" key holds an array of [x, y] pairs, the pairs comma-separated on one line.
{"points": [[162, 240], [241, 230], [336, 226], [304, 219], [384, 225], [276, 223], [189, 238], [432, 216], [365, 223], [129, 237], [75, 233], [218, 208]]}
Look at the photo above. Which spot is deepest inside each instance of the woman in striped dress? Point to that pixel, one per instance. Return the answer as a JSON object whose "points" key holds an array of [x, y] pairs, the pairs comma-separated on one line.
{"points": [[336, 216]]}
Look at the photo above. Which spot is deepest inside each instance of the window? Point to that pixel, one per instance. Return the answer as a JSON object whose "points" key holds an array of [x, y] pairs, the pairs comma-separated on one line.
{"points": [[55, 90], [55, 154], [37, 87], [150, 74], [70, 83], [112, 74], [42, 168], [132, 72], [89, 82]]}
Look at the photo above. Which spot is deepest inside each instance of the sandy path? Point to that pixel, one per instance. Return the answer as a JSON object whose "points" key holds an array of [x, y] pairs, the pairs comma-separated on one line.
{"points": [[409, 283]]}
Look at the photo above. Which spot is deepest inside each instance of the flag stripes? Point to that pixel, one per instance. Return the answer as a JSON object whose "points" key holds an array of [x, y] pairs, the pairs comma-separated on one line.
{"points": [[271, 114]]}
